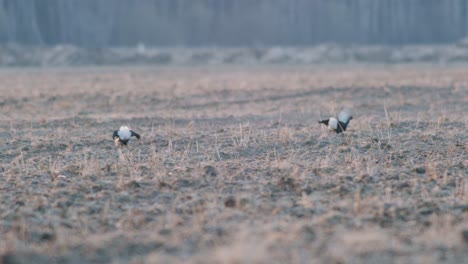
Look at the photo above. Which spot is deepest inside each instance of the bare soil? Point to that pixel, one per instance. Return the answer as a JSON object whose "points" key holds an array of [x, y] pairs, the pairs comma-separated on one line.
{"points": [[233, 166]]}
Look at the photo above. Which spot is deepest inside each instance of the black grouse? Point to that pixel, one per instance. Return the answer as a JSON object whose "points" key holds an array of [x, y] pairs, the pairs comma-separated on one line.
{"points": [[340, 123], [123, 135]]}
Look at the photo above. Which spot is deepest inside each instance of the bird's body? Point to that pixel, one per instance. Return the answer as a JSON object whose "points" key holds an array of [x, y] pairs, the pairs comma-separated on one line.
{"points": [[123, 135], [340, 123]]}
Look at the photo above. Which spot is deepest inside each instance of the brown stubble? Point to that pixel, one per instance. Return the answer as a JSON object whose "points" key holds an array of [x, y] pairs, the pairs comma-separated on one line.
{"points": [[232, 165]]}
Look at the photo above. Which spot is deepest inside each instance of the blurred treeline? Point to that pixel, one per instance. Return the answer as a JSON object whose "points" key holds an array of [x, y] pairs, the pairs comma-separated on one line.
{"points": [[105, 23]]}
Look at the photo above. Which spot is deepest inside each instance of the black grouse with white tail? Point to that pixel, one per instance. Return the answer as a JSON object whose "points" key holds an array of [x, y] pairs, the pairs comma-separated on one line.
{"points": [[123, 135], [338, 124]]}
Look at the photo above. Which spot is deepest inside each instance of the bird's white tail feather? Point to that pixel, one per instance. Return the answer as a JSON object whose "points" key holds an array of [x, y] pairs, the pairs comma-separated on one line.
{"points": [[333, 123], [345, 115], [124, 133]]}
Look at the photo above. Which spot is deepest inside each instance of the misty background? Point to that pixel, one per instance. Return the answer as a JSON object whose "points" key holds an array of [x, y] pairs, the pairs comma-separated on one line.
{"points": [[42, 32]]}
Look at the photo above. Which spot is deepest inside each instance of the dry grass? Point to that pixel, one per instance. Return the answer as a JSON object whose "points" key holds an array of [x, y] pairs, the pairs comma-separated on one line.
{"points": [[233, 166]]}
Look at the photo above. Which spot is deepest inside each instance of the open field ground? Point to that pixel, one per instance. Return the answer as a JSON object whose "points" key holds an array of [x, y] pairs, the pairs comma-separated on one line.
{"points": [[233, 167]]}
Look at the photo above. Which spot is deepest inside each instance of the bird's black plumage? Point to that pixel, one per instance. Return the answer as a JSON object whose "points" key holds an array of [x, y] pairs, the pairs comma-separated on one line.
{"points": [[116, 134], [135, 134], [325, 122]]}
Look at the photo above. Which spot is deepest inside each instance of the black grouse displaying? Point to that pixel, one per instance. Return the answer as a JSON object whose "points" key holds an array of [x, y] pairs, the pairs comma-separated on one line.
{"points": [[338, 124], [123, 135]]}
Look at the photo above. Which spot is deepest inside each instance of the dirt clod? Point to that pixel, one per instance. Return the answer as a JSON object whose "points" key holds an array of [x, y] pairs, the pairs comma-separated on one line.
{"points": [[464, 234], [420, 170], [133, 185], [230, 202], [210, 171]]}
